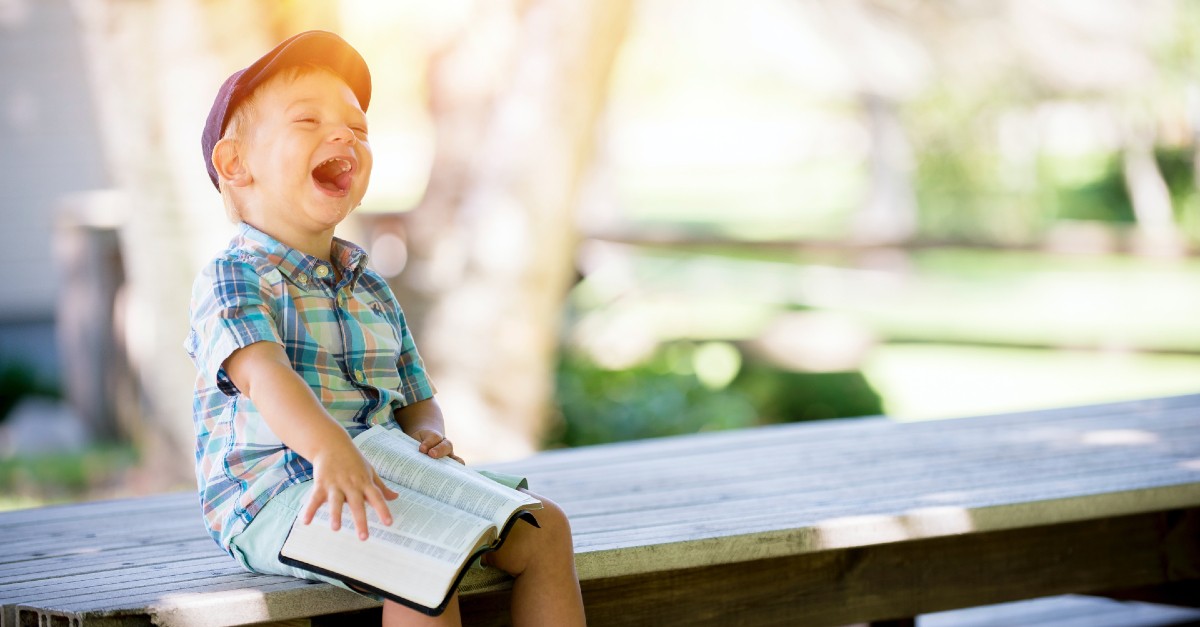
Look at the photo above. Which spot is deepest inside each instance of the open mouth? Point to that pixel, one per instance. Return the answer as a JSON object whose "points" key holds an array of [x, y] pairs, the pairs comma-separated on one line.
{"points": [[334, 174]]}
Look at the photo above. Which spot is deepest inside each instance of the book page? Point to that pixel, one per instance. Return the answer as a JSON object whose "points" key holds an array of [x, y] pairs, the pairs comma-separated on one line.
{"points": [[396, 458], [418, 555]]}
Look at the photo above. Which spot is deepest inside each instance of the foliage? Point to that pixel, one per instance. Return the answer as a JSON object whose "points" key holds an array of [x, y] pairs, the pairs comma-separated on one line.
{"points": [[785, 396], [63, 476], [1088, 188], [1093, 187], [966, 188], [659, 398], [1177, 166], [598, 405], [18, 380]]}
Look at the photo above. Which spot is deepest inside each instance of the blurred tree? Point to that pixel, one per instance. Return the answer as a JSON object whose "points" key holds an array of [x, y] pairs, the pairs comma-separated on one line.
{"points": [[887, 65], [515, 99], [155, 67], [979, 126]]}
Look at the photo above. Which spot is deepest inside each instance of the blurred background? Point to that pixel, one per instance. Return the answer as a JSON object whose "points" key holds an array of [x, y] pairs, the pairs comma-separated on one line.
{"points": [[618, 219]]}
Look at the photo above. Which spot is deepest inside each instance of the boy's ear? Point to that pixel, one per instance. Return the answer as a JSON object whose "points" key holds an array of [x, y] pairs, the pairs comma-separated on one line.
{"points": [[227, 160]]}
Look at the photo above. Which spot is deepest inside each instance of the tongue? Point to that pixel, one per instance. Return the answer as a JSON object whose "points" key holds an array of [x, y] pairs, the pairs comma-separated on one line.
{"points": [[331, 177]]}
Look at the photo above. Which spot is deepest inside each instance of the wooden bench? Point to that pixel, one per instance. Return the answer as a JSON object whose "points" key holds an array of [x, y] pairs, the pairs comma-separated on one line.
{"points": [[822, 523]]}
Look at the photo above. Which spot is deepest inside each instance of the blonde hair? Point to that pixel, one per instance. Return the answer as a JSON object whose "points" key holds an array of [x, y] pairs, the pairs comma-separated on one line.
{"points": [[243, 118]]}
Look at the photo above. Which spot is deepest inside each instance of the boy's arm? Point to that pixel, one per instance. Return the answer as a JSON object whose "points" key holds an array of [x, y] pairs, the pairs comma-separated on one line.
{"points": [[423, 421], [341, 474]]}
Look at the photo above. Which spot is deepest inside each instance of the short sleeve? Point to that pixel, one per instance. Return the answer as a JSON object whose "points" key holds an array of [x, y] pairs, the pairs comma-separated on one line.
{"points": [[233, 306]]}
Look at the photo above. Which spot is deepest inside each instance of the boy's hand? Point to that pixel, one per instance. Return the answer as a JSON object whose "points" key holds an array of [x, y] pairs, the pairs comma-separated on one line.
{"points": [[341, 475], [434, 444]]}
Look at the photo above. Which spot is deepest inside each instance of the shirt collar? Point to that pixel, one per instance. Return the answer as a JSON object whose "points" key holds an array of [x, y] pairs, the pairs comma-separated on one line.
{"points": [[301, 268]]}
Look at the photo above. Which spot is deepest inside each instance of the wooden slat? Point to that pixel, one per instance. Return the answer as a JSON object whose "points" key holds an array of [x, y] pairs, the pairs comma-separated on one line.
{"points": [[253, 600], [878, 582], [865, 487], [847, 431], [910, 451], [88, 511], [109, 560], [164, 574], [1065, 611], [673, 512]]}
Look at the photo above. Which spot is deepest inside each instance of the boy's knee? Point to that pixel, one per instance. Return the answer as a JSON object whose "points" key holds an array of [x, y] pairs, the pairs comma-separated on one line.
{"points": [[553, 521], [550, 542]]}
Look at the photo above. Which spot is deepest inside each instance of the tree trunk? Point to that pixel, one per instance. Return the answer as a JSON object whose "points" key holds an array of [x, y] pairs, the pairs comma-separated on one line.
{"points": [[515, 100], [889, 213], [1157, 233]]}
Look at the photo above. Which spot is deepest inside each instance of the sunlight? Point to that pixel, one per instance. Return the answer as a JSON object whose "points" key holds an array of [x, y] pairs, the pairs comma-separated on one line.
{"points": [[923, 522], [389, 254], [815, 342], [938, 521], [1119, 437], [195, 609], [859, 530], [716, 364]]}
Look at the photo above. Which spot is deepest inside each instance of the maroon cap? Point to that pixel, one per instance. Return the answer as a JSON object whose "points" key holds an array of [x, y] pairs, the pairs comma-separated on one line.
{"points": [[315, 47]]}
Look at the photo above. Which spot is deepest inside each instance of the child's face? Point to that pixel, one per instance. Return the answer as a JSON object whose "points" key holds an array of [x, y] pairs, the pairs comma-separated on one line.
{"points": [[307, 154]]}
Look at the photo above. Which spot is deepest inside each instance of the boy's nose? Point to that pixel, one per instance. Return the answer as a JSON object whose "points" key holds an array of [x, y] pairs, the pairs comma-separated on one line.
{"points": [[343, 134]]}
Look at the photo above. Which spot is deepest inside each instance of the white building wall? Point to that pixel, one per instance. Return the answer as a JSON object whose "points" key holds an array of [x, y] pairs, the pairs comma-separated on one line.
{"points": [[49, 147]]}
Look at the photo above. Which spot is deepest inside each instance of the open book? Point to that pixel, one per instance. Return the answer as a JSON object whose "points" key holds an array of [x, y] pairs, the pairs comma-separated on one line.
{"points": [[447, 515]]}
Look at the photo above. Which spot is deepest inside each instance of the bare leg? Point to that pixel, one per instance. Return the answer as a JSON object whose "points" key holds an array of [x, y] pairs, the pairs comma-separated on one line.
{"points": [[396, 615], [546, 590]]}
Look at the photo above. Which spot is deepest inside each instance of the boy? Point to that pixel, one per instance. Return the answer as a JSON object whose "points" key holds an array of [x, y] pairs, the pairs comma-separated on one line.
{"points": [[299, 346]]}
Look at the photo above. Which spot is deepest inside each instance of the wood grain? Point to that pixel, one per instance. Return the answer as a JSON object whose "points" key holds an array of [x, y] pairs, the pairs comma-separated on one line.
{"points": [[843, 521]]}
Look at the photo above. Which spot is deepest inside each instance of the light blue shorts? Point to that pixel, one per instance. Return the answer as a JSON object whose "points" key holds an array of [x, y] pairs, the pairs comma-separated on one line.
{"points": [[257, 548]]}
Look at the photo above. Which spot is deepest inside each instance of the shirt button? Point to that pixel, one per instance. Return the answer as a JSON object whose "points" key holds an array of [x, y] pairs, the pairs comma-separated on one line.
{"points": [[302, 279], [358, 376], [322, 272]]}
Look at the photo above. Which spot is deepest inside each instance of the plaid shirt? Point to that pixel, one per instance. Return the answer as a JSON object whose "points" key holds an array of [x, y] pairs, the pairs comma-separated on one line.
{"points": [[347, 340]]}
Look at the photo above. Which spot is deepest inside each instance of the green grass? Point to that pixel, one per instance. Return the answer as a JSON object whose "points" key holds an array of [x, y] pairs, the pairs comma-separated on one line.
{"points": [[958, 332], [748, 201], [922, 382], [989, 297], [34, 480]]}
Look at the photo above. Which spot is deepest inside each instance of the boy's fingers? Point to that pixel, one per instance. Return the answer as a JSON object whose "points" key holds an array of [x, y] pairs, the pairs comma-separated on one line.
{"points": [[441, 448], [314, 503], [376, 498], [388, 493], [358, 513], [335, 510], [430, 439]]}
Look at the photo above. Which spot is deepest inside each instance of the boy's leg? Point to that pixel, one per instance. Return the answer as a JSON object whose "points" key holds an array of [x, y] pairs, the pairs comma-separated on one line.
{"points": [[396, 615], [546, 590]]}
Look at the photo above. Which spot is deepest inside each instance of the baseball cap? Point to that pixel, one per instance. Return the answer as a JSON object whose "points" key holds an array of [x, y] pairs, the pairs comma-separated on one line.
{"points": [[317, 47]]}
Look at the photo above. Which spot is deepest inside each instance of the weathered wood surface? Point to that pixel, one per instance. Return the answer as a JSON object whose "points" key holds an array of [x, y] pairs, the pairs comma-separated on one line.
{"points": [[1066, 611], [817, 523]]}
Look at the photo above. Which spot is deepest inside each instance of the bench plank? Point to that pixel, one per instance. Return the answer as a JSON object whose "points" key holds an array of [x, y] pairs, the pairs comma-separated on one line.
{"points": [[783, 507], [1065, 611], [878, 582], [1010, 471]]}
